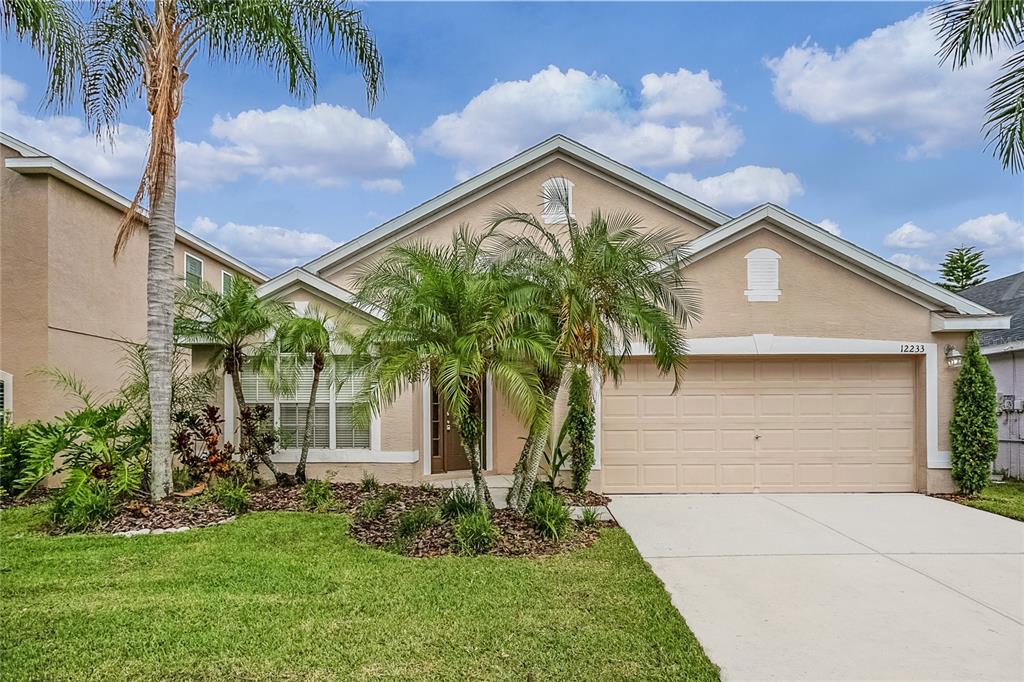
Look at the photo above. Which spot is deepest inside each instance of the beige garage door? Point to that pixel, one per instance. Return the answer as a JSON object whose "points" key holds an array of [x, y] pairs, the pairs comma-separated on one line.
{"points": [[745, 425]]}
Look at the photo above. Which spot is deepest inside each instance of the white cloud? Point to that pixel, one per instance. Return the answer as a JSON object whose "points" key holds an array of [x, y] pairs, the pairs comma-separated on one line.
{"points": [[324, 144], [681, 94], [680, 119], [887, 84], [266, 247], [910, 236], [831, 226], [388, 185], [912, 261], [994, 229], [745, 186]]}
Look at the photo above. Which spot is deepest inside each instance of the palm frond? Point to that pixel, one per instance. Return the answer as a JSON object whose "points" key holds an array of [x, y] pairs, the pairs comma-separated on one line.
{"points": [[53, 29]]}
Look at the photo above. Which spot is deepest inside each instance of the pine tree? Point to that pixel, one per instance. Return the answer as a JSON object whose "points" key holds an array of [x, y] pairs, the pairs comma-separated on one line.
{"points": [[963, 267], [974, 428]]}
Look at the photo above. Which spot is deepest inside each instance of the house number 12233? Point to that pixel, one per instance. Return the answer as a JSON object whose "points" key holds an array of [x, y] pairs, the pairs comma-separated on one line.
{"points": [[912, 348]]}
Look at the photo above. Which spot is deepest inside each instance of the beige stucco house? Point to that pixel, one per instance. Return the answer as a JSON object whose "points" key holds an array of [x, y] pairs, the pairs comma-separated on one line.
{"points": [[817, 366], [64, 301]]}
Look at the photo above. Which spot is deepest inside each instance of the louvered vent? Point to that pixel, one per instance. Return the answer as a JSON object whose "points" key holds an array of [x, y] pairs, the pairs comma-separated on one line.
{"points": [[762, 275]]}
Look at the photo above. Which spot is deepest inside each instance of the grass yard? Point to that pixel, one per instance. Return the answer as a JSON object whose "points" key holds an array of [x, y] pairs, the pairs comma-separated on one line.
{"points": [[288, 596], [1005, 499]]}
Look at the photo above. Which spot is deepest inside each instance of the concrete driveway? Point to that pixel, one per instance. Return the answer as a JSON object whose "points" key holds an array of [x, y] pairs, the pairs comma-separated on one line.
{"points": [[840, 586]]}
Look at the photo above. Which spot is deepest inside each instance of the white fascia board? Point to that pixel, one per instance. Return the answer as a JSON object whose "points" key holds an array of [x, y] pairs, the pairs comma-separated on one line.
{"points": [[19, 146], [969, 323], [997, 348], [706, 243], [48, 165], [558, 143], [298, 276]]}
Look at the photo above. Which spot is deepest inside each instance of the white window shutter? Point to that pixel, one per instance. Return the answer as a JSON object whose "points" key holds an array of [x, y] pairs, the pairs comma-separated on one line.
{"points": [[762, 275]]}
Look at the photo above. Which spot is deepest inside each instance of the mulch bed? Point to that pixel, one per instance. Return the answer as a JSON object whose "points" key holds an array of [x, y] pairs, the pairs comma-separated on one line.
{"points": [[35, 496], [587, 498], [517, 537]]}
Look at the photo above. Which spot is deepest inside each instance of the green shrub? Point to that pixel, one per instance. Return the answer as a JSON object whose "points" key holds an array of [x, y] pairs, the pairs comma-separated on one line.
{"points": [[182, 478], [389, 495], [475, 533], [368, 483], [231, 495], [82, 503], [974, 427], [411, 522], [580, 422], [14, 445], [317, 495], [589, 517], [371, 509], [459, 501], [548, 514]]}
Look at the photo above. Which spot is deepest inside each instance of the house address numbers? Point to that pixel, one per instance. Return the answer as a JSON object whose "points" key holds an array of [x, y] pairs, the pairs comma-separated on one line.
{"points": [[911, 347]]}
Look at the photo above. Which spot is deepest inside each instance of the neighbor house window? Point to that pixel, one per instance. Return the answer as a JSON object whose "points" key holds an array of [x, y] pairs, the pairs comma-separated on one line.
{"points": [[226, 280], [333, 422], [193, 271], [557, 196], [762, 275]]}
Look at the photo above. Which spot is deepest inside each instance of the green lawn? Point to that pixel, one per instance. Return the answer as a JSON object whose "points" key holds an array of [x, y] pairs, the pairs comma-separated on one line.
{"points": [[1005, 499], [279, 596]]}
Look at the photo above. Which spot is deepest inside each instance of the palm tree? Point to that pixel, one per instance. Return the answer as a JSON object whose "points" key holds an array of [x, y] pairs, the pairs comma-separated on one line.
{"points": [[453, 318], [235, 324], [55, 31], [978, 28], [135, 47], [298, 342], [604, 285]]}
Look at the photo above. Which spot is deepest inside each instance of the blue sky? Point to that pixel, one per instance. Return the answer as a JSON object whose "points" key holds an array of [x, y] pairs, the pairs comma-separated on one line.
{"points": [[837, 111]]}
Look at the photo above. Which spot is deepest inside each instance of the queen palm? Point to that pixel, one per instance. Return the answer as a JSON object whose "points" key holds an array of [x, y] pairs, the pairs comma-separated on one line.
{"points": [[301, 342], [978, 28], [453, 318], [604, 285], [55, 31], [138, 48], [235, 324]]}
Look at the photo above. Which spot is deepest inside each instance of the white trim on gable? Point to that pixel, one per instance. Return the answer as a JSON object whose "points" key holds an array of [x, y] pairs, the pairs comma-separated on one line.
{"points": [[297, 277], [967, 323], [893, 275], [556, 144]]}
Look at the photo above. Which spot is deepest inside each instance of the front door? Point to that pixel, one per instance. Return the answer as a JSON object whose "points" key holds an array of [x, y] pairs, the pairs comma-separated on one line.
{"points": [[446, 452]]}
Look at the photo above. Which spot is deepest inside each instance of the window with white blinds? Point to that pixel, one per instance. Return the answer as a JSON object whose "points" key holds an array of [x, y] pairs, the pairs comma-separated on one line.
{"points": [[333, 423], [762, 275]]}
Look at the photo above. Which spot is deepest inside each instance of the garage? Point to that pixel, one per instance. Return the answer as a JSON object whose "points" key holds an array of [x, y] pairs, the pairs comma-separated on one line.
{"points": [[784, 424]]}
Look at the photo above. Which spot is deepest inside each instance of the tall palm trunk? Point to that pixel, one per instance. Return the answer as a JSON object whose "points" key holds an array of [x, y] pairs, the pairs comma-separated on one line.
{"points": [[160, 324], [526, 469], [307, 436], [470, 430]]}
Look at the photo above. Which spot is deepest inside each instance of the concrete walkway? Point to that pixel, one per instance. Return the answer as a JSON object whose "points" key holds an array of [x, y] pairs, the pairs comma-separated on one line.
{"points": [[841, 586]]}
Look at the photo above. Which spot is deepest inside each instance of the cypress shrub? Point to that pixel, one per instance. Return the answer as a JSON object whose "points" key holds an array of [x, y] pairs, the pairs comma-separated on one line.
{"points": [[974, 428]]}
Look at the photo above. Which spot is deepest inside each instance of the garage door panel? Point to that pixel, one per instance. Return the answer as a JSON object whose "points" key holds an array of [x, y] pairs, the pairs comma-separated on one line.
{"points": [[824, 424]]}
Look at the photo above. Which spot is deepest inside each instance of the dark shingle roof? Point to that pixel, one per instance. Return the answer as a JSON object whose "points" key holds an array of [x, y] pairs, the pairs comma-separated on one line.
{"points": [[1006, 297]]}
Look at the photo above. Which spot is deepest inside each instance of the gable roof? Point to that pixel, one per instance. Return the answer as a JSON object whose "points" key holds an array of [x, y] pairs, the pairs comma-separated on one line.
{"points": [[300, 278], [1004, 295], [836, 249], [522, 160], [33, 161]]}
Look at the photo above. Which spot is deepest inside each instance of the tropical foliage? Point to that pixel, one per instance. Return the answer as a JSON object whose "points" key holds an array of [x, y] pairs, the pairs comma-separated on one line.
{"points": [[602, 286], [974, 427], [452, 317], [962, 267], [969, 29], [234, 325], [580, 422]]}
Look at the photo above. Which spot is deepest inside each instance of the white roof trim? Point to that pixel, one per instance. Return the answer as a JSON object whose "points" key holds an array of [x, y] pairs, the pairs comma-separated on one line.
{"points": [[301, 277], [968, 323], [19, 146], [558, 143], [1002, 348], [48, 165], [706, 244]]}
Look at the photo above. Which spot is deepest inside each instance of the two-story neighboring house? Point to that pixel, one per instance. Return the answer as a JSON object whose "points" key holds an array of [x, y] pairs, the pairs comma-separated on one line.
{"points": [[64, 301]]}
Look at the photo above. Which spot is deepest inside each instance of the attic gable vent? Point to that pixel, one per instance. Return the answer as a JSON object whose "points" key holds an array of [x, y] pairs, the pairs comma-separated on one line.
{"points": [[557, 193], [762, 275]]}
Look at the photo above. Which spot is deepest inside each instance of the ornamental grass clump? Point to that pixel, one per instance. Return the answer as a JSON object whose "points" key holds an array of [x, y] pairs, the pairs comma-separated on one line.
{"points": [[458, 502], [317, 495], [548, 514], [475, 533], [411, 522], [974, 428], [231, 495]]}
